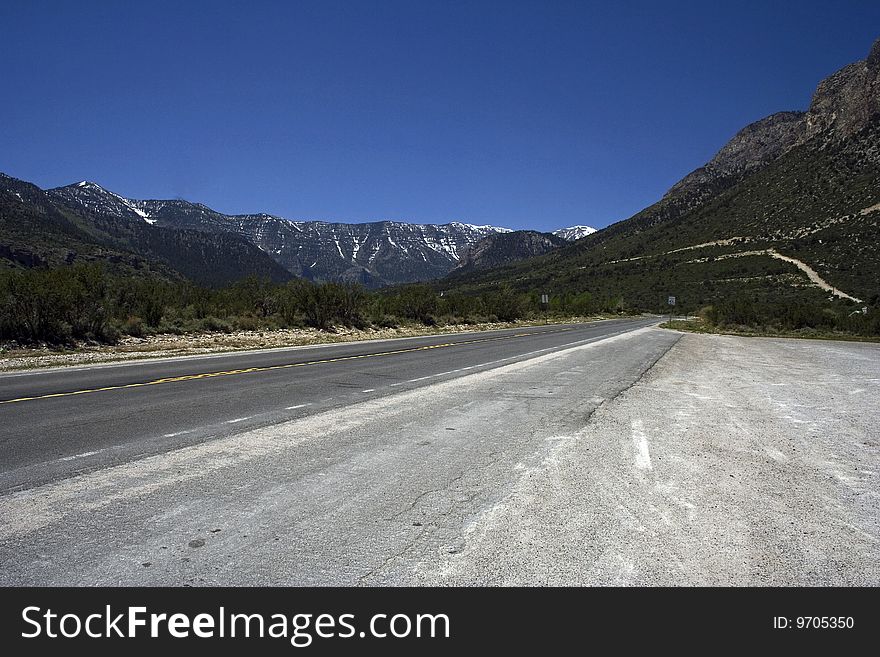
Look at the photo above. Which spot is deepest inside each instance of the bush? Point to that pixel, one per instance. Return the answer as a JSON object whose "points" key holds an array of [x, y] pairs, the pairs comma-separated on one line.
{"points": [[134, 326], [386, 321], [56, 306], [505, 305], [246, 323], [213, 324], [415, 302]]}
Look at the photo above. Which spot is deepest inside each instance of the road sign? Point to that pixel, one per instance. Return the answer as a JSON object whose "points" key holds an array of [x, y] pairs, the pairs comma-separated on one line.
{"points": [[671, 301], [545, 298]]}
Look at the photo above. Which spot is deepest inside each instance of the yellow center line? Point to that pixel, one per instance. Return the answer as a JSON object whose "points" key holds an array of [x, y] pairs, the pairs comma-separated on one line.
{"points": [[268, 368]]}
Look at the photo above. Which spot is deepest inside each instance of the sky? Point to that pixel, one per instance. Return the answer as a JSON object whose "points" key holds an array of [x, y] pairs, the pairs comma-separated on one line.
{"points": [[530, 115]]}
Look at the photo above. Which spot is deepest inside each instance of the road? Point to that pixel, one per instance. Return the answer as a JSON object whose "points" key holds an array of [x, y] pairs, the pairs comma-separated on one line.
{"points": [[613, 453], [69, 420]]}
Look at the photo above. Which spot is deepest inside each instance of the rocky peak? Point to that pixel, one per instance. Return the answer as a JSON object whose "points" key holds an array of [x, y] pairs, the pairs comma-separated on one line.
{"points": [[757, 144], [846, 101], [843, 103], [873, 61], [21, 189], [94, 198]]}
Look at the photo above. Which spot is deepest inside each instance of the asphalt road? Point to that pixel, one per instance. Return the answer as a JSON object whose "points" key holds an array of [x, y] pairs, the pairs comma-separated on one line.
{"points": [[70, 420], [616, 453], [346, 491]]}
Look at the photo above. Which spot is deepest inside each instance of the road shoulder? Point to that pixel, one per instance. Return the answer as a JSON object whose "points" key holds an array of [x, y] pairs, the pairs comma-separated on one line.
{"points": [[731, 462]]}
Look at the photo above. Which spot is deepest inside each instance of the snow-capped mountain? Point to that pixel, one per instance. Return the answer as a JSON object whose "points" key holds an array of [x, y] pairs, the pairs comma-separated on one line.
{"points": [[89, 224], [94, 198], [573, 233], [376, 253]]}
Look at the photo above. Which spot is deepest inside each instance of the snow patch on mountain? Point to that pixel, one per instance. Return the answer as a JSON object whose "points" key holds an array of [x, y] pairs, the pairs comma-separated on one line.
{"points": [[373, 253], [573, 233], [95, 198]]}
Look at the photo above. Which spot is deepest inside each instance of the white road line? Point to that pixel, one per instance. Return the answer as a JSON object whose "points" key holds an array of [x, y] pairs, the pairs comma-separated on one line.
{"points": [[177, 433], [80, 456], [369, 390], [239, 419], [293, 408], [640, 440], [504, 360]]}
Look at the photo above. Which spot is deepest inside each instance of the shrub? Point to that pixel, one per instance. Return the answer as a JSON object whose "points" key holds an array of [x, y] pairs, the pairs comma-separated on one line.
{"points": [[246, 323], [134, 326], [213, 324], [386, 321]]}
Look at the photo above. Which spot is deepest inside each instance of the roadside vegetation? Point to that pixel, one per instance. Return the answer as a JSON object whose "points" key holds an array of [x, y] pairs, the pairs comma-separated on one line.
{"points": [[741, 316], [86, 303]]}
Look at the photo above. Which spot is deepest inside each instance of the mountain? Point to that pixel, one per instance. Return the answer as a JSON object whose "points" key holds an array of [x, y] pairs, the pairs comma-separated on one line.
{"points": [[34, 232], [375, 254], [45, 229], [794, 193], [93, 198], [847, 101], [751, 148], [500, 248], [573, 233]]}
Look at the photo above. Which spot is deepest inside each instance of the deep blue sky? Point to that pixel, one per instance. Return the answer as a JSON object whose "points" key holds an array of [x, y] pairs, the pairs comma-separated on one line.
{"points": [[523, 114]]}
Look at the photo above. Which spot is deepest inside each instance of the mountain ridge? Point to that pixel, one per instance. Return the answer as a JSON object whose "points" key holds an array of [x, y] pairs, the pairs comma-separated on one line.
{"points": [[38, 230], [805, 185], [374, 253]]}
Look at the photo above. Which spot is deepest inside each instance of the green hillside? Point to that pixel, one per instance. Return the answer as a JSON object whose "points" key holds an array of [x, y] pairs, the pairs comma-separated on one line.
{"points": [[813, 204]]}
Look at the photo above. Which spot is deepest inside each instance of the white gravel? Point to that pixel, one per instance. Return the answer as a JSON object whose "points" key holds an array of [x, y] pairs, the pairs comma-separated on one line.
{"points": [[734, 461]]}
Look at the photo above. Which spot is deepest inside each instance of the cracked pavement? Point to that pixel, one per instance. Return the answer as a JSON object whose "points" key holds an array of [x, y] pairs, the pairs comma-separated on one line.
{"points": [[378, 492], [646, 458]]}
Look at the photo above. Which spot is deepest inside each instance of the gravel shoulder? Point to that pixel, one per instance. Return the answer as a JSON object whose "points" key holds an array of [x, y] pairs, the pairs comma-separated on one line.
{"points": [[734, 461]]}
